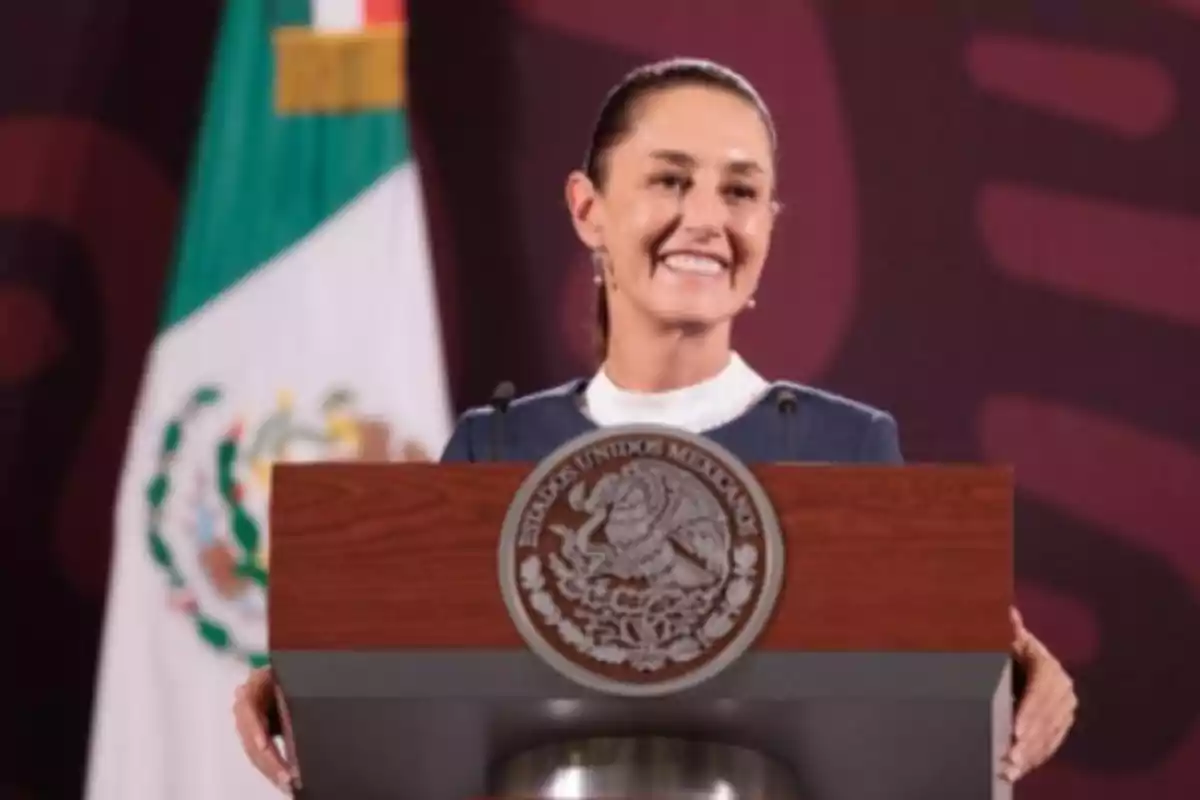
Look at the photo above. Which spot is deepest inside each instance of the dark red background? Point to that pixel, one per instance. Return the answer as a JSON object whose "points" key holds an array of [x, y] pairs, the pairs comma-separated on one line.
{"points": [[992, 228]]}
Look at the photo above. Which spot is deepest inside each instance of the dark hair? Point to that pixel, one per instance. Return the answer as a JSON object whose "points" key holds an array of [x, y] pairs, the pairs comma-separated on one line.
{"points": [[616, 119]]}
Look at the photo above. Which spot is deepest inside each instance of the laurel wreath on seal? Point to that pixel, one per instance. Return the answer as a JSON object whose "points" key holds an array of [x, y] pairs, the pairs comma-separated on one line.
{"points": [[645, 651], [244, 529]]}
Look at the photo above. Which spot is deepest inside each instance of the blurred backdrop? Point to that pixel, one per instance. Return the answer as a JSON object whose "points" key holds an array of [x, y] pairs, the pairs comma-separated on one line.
{"points": [[991, 228]]}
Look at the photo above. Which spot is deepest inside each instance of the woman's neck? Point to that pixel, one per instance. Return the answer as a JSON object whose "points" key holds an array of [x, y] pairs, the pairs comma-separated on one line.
{"points": [[674, 360]]}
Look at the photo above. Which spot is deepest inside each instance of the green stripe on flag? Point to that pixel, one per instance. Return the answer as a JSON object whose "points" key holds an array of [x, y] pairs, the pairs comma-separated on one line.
{"points": [[291, 12], [260, 181]]}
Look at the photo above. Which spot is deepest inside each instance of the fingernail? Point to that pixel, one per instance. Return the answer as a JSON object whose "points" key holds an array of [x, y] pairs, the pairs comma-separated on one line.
{"points": [[284, 780]]}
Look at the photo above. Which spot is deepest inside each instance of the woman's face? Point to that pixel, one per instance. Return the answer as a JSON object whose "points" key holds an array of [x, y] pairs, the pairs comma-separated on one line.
{"points": [[683, 220]]}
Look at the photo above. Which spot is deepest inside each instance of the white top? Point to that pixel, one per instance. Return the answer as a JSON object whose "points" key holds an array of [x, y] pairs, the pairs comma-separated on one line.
{"points": [[700, 407]]}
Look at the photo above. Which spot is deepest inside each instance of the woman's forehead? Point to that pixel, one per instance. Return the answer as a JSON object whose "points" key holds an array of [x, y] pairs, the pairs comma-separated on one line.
{"points": [[702, 125]]}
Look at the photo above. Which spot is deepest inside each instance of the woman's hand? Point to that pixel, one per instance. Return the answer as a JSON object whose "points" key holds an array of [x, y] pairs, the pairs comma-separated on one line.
{"points": [[1046, 710], [254, 701]]}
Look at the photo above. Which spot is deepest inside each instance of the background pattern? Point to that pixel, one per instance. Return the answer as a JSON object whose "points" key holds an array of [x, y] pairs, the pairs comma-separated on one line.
{"points": [[991, 228]]}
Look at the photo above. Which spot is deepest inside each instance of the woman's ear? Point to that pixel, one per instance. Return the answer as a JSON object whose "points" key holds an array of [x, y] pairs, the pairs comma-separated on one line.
{"points": [[583, 202]]}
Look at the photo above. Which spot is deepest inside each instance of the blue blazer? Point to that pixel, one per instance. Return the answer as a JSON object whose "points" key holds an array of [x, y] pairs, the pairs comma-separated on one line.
{"points": [[789, 422]]}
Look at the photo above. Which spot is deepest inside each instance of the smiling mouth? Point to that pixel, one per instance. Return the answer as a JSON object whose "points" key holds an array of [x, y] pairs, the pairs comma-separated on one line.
{"points": [[694, 264]]}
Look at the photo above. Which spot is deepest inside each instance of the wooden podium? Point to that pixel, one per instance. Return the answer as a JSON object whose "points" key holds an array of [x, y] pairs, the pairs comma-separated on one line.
{"points": [[884, 671]]}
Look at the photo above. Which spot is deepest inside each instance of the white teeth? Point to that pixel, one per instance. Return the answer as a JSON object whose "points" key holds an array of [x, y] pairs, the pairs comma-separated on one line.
{"points": [[694, 264]]}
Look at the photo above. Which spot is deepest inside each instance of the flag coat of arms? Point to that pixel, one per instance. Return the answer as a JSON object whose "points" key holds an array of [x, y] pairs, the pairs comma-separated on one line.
{"points": [[300, 324]]}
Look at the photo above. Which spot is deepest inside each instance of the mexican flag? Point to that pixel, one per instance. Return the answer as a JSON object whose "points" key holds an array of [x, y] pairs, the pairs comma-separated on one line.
{"points": [[300, 324]]}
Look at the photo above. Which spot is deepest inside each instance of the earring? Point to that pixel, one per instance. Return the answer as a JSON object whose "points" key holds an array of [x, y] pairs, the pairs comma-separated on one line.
{"points": [[751, 303], [598, 265]]}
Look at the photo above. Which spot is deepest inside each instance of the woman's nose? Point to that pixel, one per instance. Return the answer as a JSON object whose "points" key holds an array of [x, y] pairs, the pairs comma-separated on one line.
{"points": [[704, 209]]}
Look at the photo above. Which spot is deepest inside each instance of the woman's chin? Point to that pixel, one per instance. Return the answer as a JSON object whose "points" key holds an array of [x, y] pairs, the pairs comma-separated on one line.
{"points": [[694, 321]]}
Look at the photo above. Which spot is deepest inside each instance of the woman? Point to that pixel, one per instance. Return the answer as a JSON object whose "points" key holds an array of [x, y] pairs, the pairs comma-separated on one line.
{"points": [[676, 203]]}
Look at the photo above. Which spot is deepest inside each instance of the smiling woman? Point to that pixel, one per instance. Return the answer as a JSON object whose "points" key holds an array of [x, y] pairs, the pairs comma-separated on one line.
{"points": [[676, 202], [679, 175]]}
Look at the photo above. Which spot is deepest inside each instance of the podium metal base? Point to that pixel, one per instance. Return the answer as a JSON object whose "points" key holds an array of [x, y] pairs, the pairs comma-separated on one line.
{"points": [[642, 767], [434, 725]]}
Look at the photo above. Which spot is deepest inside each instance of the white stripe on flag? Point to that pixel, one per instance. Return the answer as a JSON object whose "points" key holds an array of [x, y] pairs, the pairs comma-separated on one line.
{"points": [[337, 15]]}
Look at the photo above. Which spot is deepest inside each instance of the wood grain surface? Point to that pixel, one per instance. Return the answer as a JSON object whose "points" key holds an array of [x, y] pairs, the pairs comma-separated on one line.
{"points": [[404, 556]]}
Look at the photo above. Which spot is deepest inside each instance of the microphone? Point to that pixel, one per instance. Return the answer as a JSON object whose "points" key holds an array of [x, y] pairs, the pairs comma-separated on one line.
{"points": [[786, 402], [502, 396]]}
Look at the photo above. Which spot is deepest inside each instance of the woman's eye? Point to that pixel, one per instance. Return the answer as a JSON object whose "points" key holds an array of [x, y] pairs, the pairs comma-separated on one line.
{"points": [[671, 181], [742, 192]]}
